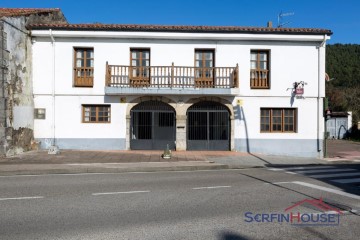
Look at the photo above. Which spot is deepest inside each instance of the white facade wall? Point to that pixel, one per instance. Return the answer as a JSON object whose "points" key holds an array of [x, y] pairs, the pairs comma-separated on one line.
{"points": [[290, 61]]}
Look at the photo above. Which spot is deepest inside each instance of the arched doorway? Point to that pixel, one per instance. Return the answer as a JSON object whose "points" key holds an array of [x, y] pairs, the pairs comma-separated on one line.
{"points": [[152, 126], [208, 126]]}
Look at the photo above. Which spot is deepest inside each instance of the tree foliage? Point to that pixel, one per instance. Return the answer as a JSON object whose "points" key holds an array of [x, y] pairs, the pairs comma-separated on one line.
{"points": [[343, 66]]}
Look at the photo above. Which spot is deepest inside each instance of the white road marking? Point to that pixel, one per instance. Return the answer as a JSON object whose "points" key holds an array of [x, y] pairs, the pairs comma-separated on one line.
{"points": [[300, 168], [113, 193], [338, 160], [197, 188], [278, 183], [352, 180], [326, 212], [310, 168], [320, 188], [21, 198], [335, 175], [327, 170], [291, 172], [328, 189], [58, 174], [343, 212], [192, 171]]}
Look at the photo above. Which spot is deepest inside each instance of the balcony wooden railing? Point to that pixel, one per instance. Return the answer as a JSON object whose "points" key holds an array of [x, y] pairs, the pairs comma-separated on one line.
{"points": [[84, 77], [171, 77], [259, 78]]}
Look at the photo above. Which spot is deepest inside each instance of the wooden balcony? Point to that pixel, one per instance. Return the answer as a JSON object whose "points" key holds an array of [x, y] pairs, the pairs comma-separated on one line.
{"points": [[83, 77], [259, 79], [170, 77]]}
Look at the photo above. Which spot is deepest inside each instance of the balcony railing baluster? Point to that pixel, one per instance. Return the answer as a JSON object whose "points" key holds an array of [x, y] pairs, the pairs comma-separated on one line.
{"points": [[171, 76], [259, 79]]}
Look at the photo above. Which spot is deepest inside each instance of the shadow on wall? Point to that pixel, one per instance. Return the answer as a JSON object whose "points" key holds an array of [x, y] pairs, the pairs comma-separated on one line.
{"points": [[240, 114], [292, 98], [342, 129]]}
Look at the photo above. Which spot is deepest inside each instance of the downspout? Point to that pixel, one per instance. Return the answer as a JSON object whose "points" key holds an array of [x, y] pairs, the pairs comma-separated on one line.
{"points": [[3, 72], [319, 94], [53, 148]]}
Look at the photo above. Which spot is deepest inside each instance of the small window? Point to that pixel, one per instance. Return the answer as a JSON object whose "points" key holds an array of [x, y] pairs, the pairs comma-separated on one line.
{"points": [[39, 113], [259, 69], [83, 67], [277, 120], [96, 114]]}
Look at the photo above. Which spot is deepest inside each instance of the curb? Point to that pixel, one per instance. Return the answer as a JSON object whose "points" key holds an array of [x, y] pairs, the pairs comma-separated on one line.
{"points": [[112, 170]]}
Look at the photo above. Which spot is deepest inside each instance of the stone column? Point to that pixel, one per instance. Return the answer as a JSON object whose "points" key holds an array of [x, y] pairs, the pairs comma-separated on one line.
{"points": [[181, 132], [128, 132], [232, 133]]}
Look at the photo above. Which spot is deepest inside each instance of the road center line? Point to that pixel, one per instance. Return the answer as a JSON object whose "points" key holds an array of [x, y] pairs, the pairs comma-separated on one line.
{"points": [[21, 198], [213, 187], [113, 193]]}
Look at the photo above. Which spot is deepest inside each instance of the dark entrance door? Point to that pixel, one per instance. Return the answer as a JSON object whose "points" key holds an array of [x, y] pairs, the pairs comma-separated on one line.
{"points": [[152, 126], [208, 127]]}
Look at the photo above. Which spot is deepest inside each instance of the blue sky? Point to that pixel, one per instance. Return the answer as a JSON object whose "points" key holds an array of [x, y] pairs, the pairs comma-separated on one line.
{"points": [[340, 16]]}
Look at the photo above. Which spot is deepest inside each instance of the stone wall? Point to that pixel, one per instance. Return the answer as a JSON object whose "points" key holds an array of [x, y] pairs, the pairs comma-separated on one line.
{"points": [[16, 90], [4, 59]]}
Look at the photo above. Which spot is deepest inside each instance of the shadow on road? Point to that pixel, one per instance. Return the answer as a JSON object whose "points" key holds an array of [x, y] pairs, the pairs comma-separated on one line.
{"points": [[334, 204], [232, 236], [353, 188]]}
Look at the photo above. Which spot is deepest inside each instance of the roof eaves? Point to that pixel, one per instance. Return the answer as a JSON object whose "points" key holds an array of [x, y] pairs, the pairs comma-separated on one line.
{"points": [[165, 28]]}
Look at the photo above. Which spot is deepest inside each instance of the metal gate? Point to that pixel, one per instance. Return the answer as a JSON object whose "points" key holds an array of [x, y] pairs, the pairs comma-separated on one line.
{"points": [[208, 126], [337, 127], [152, 126]]}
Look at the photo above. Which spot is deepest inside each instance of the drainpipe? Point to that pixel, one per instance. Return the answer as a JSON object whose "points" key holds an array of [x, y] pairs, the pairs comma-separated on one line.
{"points": [[2, 66], [53, 149], [319, 94]]}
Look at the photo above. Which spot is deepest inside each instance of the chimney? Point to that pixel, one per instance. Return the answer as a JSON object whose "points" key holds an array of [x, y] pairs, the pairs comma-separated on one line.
{"points": [[269, 24]]}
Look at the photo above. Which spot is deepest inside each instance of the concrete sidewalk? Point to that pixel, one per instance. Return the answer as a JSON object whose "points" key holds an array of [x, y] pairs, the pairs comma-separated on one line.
{"points": [[343, 149], [70, 161]]}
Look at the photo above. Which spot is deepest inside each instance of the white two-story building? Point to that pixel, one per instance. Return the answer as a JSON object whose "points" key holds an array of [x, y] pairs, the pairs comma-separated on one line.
{"points": [[124, 87]]}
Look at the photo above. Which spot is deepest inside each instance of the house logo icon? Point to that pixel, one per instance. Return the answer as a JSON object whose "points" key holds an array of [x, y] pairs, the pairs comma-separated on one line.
{"points": [[328, 216]]}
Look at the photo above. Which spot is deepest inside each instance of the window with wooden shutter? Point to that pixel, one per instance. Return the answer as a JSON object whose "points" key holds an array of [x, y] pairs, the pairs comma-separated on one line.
{"points": [[83, 67], [259, 69]]}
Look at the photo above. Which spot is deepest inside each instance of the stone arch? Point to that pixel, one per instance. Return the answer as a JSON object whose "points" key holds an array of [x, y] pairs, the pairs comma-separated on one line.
{"points": [[135, 102], [222, 101], [225, 102], [138, 100]]}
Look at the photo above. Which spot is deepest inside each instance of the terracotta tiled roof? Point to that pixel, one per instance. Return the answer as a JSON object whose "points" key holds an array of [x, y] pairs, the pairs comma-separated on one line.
{"points": [[13, 12], [172, 28]]}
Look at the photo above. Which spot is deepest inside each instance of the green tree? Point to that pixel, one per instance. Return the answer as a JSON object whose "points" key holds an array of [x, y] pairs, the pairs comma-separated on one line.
{"points": [[343, 65]]}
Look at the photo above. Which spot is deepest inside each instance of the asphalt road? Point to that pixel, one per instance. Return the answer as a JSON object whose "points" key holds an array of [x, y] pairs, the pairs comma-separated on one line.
{"points": [[170, 205]]}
